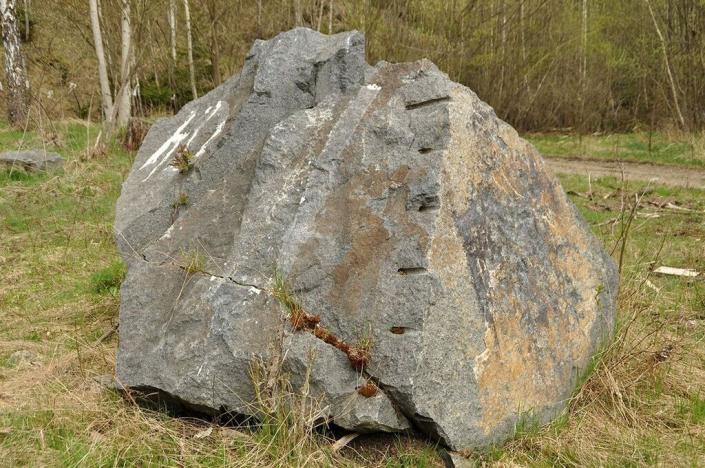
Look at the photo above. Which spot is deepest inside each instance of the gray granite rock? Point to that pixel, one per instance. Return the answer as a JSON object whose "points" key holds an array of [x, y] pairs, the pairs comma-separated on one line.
{"points": [[31, 160], [400, 209]]}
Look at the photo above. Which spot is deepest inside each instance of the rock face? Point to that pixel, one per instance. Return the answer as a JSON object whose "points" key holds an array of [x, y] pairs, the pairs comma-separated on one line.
{"points": [[399, 208], [32, 160]]}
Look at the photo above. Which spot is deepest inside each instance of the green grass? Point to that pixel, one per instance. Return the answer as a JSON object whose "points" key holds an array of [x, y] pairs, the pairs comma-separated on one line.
{"points": [[60, 275], [109, 279], [660, 148], [694, 409]]}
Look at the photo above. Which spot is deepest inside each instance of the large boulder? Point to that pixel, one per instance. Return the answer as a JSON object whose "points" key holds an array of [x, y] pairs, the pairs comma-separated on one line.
{"points": [[399, 209]]}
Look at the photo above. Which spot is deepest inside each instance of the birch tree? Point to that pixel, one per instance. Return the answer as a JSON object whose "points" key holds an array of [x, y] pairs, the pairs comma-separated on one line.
{"points": [[298, 15], [171, 16], [189, 50], [124, 95], [105, 93], [15, 68], [583, 42]]}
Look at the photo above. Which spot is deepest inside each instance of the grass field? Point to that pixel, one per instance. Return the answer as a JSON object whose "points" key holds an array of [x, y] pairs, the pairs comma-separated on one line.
{"points": [[658, 148], [642, 404]]}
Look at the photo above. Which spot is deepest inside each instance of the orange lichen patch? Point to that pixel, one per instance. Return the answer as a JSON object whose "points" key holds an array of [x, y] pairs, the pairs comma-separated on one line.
{"points": [[368, 390], [516, 352], [538, 345], [397, 330]]}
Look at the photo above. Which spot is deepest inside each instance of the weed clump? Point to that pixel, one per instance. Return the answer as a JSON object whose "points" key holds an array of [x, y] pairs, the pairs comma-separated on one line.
{"points": [[181, 200], [299, 318], [358, 354], [358, 357], [192, 261], [183, 160]]}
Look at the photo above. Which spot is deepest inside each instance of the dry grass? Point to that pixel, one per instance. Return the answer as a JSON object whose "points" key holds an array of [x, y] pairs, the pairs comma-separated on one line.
{"points": [[642, 400], [643, 403]]}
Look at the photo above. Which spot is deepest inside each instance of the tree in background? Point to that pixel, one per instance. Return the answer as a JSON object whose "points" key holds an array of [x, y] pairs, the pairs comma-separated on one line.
{"points": [[117, 105], [124, 99], [15, 69], [105, 92], [189, 48], [581, 65], [671, 80]]}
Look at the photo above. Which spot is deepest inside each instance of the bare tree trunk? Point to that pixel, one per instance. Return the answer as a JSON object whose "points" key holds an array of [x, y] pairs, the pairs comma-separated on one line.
{"points": [[153, 56], [215, 59], [171, 16], [584, 41], [297, 13], [189, 50], [105, 93], [215, 17], [320, 16], [330, 17], [259, 16], [15, 68], [26, 19], [112, 72], [503, 48], [668, 64], [523, 44], [124, 97], [172, 29]]}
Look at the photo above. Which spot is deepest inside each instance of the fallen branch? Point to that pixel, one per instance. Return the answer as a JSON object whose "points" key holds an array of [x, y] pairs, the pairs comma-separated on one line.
{"points": [[343, 441], [671, 271]]}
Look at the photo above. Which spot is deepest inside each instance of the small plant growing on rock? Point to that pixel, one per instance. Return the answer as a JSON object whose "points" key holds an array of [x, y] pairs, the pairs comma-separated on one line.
{"points": [[368, 389], [299, 318], [192, 261], [181, 200], [359, 358], [183, 160], [360, 353]]}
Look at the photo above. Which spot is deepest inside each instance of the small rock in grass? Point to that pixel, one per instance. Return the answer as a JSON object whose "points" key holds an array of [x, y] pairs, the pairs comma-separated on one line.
{"points": [[22, 356], [32, 160]]}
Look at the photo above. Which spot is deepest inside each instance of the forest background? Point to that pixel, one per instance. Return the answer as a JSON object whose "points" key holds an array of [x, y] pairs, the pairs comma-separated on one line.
{"points": [[579, 66]]}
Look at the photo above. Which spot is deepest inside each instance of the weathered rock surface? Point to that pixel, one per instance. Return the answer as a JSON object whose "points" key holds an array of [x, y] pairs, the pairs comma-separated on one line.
{"points": [[399, 207], [32, 160]]}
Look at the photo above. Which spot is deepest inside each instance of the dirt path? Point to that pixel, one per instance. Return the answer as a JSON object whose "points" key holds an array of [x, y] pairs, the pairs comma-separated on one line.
{"points": [[668, 175]]}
